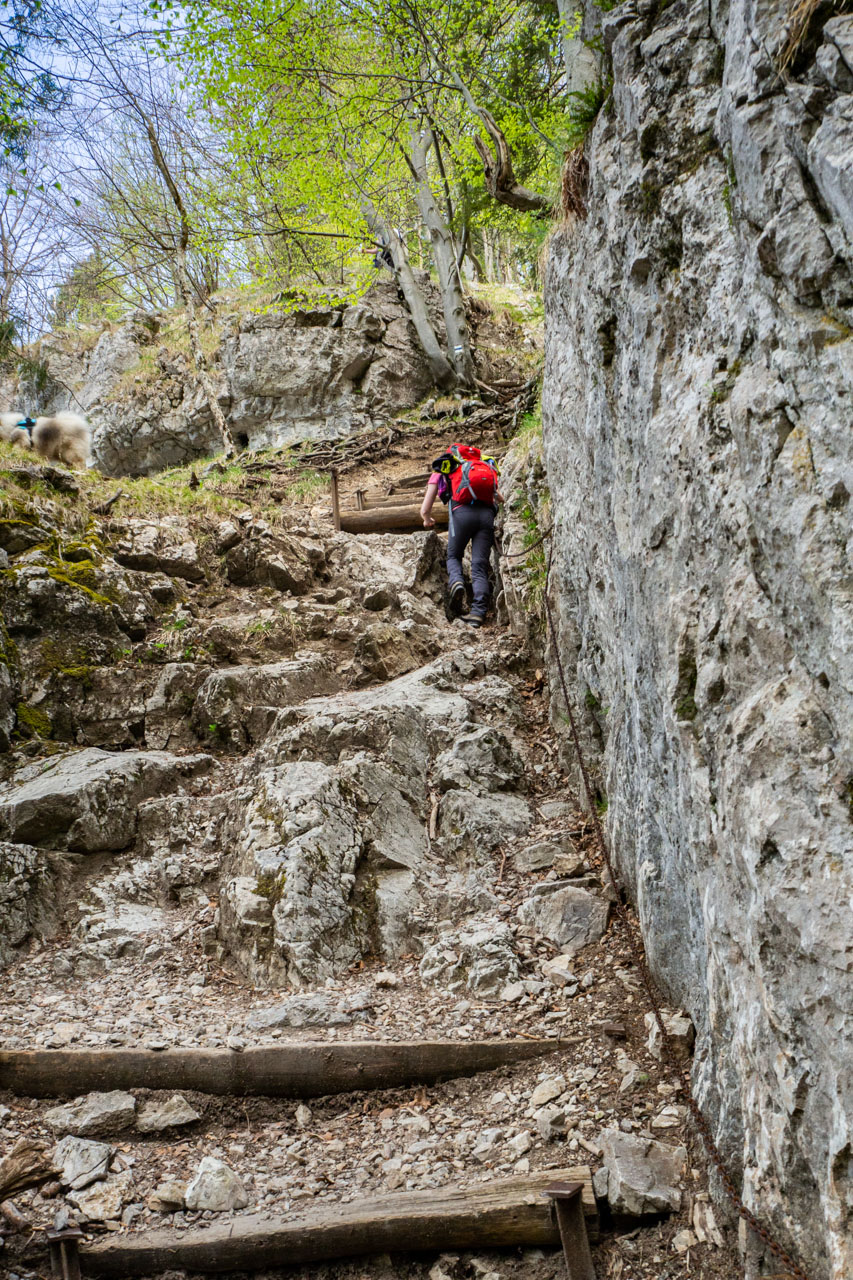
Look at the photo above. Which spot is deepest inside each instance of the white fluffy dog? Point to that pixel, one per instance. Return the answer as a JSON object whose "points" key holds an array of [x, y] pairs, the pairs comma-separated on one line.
{"points": [[65, 437]]}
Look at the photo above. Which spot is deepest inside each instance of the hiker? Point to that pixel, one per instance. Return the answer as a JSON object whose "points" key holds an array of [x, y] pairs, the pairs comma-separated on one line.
{"points": [[468, 482]]}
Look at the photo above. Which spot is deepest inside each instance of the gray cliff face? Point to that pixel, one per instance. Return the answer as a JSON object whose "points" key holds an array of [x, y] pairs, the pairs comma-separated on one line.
{"points": [[282, 377], [699, 450]]}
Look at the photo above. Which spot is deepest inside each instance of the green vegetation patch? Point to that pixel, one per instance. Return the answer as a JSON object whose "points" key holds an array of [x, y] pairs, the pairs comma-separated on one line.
{"points": [[32, 722]]}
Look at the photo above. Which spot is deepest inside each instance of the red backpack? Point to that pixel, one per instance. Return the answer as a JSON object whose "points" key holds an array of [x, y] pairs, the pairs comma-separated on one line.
{"points": [[474, 478]]}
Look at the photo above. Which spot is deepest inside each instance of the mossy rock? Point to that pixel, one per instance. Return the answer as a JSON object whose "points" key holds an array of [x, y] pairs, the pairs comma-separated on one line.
{"points": [[19, 534], [32, 722]]}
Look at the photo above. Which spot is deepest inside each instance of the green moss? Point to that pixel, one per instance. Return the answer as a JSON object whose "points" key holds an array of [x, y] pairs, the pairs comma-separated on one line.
{"points": [[649, 198], [270, 885], [684, 701], [728, 188], [8, 649], [73, 663], [32, 722]]}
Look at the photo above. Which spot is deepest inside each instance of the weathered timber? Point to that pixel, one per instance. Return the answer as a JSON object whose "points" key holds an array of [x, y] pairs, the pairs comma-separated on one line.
{"points": [[410, 482], [307, 1070], [503, 1214], [27, 1165], [389, 519]]}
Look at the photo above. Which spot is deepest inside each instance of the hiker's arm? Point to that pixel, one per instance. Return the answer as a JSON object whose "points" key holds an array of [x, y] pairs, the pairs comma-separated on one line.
{"points": [[499, 496], [426, 505]]}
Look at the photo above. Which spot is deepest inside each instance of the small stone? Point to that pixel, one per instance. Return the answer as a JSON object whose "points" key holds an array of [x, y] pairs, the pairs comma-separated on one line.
{"points": [[303, 1116], [154, 1116], [94, 1114], [386, 979], [215, 1187], [683, 1241], [521, 1143], [81, 1161], [235, 1043], [551, 1123], [167, 1197], [512, 991], [680, 1032], [559, 971], [547, 1091], [704, 1223]]}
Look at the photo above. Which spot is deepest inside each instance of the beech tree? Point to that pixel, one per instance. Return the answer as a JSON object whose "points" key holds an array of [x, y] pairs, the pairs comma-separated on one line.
{"points": [[353, 112], [123, 92]]}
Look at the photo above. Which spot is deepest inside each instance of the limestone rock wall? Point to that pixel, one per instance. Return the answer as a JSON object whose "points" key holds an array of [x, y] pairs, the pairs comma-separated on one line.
{"points": [[698, 444], [283, 376]]}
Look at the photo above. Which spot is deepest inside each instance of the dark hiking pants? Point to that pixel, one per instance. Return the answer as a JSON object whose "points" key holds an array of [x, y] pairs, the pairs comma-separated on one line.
{"points": [[474, 523]]}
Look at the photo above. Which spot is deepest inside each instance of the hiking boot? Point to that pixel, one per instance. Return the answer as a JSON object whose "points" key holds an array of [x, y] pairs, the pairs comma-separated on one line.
{"points": [[457, 596], [473, 619]]}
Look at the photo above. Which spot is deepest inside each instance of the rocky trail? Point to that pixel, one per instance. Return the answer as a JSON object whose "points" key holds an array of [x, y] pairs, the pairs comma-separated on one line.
{"points": [[260, 791]]}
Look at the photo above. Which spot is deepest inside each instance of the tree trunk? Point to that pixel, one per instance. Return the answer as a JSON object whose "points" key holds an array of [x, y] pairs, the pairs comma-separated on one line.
{"points": [[442, 370], [444, 257], [489, 257], [186, 288]]}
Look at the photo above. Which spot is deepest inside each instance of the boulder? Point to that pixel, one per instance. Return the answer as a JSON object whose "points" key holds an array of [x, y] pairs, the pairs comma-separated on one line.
{"points": [[216, 1188], [81, 1161], [561, 853], [87, 800], [643, 1176], [480, 960], [270, 558], [94, 1114], [161, 545], [299, 1011], [29, 885], [237, 705], [482, 760], [8, 701], [103, 1201], [472, 826], [568, 916]]}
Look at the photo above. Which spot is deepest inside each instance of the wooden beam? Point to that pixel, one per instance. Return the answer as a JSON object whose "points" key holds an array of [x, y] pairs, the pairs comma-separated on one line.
{"points": [[375, 504], [306, 1070], [410, 482], [507, 1213], [389, 519]]}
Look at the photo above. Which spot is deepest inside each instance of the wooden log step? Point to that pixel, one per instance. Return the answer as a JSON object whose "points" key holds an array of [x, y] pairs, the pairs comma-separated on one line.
{"points": [[389, 519], [306, 1070], [384, 503], [507, 1213]]}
